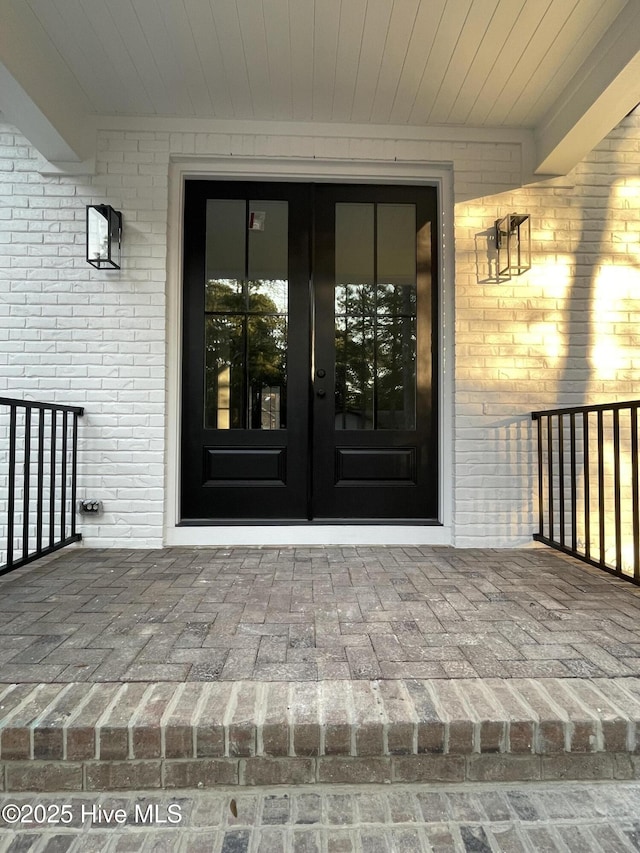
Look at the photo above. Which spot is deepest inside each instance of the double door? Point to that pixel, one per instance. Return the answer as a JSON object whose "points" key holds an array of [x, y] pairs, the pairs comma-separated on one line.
{"points": [[309, 353]]}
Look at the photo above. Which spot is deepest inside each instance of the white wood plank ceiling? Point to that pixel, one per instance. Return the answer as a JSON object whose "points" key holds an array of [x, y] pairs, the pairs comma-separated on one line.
{"points": [[480, 63]]}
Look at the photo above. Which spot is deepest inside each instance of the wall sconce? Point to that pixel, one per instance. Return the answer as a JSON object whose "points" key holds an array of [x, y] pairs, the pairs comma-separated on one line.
{"points": [[513, 239], [104, 236]]}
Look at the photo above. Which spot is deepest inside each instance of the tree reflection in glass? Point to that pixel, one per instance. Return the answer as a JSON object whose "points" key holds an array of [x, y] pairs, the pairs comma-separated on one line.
{"points": [[375, 316], [246, 350]]}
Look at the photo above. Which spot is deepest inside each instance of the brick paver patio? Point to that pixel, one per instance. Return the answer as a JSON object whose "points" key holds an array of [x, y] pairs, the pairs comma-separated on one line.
{"points": [[180, 668], [306, 614]]}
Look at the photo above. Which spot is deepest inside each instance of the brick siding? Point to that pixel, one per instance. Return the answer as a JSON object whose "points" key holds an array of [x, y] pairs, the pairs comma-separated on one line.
{"points": [[563, 333]]}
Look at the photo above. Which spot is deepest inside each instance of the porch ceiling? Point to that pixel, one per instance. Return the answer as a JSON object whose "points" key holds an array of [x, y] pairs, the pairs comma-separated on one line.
{"points": [[566, 70]]}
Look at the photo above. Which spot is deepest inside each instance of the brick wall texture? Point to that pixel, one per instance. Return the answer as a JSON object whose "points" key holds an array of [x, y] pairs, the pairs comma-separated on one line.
{"points": [[563, 333]]}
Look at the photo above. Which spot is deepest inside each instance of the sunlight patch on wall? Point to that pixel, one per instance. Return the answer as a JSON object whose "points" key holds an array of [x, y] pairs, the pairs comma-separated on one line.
{"points": [[553, 275], [606, 359], [544, 339], [630, 188], [549, 282], [615, 289]]}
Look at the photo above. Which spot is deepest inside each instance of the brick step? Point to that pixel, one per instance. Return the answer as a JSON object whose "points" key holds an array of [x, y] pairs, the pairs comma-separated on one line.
{"points": [[98, 737]]}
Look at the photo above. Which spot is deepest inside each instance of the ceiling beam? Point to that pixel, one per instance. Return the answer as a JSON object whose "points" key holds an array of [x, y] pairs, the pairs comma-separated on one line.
{"points": [[38, 92], [599, 96]]}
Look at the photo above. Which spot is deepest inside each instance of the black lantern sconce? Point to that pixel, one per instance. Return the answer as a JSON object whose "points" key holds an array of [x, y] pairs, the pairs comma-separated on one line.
{"points": [[513, 245], [104, 236]]}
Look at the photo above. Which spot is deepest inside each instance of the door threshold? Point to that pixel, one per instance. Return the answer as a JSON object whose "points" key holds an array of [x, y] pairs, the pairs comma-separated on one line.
{"points": [[308, 534], [307, 522]]}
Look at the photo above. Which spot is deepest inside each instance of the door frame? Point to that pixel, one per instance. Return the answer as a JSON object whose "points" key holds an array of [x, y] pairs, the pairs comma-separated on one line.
{"points": [[316, 170]]}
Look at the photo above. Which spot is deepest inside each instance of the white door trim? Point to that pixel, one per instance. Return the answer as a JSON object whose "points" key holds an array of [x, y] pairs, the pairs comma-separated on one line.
{"points": [[301, 169]]}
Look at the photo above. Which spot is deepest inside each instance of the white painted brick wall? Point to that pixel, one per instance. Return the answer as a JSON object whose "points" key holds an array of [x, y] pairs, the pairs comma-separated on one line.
{"points": [[565, 333], [98, 339], [76, 335]]}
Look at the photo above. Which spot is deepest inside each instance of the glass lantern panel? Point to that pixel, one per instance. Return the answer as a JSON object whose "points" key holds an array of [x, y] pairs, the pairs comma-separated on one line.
{"points": [[98, 236], [114, 242]]}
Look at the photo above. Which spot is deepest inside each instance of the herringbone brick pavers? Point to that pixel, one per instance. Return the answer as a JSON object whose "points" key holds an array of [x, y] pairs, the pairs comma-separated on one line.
{"points": [[305, 614], [191, 667]]}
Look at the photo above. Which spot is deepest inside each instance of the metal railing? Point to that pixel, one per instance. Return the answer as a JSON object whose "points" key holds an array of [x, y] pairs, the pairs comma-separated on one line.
{"points": [[38, 473], [588, 498]]}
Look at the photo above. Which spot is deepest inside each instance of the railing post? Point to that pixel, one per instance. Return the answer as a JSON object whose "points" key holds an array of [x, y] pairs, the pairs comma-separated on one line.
{"points": [[52, 480], [561, 475], [74, 473], [574, 499], [550, 474], [635, 497], [540, 479], [616, 488], [11, 496], [587, 485], [26, 483], [40, 492], [63, 477], [601, 503]]}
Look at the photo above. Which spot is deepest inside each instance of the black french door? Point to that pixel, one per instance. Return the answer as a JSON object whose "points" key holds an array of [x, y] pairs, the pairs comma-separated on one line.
{"points": [[309, 353]]}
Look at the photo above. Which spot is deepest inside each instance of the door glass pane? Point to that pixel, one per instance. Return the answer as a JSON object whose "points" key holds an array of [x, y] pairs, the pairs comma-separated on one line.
{"points": [[354, 372], [354, 315], [397, 245], [223, 372], [375, 316], [396, 372], [246, 307], [225, 255], [396, 341], [268, 256], [354, 257], [268, 288], [267, 370]]}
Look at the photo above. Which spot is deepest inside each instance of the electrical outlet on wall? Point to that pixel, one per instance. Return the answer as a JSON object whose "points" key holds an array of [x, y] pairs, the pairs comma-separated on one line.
{"points": [[90, 506]]}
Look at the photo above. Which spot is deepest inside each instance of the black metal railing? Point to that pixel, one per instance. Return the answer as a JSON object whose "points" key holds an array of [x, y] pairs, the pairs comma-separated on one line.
{"points": [[588, 498], [38, 473]]}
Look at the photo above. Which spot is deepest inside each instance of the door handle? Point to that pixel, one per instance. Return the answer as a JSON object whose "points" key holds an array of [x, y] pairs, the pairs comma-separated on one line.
{"points": [[321, 392]]}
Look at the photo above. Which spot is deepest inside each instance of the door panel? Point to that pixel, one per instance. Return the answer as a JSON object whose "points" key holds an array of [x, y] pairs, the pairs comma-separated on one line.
{"points": [[375, 439], [381, 465], [308, 379], [246, 310]]}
